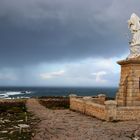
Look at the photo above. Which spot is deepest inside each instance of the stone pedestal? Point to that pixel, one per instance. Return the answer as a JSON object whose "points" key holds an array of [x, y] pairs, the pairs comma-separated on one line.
{"points": [[129, 87]]}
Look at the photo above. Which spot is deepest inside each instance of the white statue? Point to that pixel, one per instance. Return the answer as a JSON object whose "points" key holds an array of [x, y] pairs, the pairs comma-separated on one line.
{"points": [[134, 26]]}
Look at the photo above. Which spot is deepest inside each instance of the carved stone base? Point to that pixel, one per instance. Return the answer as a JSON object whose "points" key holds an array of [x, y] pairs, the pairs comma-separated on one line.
{"points": [[129, 87]]}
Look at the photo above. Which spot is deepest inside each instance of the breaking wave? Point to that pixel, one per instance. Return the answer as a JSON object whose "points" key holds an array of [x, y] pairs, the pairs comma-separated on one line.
{"points": [[14, 94]]}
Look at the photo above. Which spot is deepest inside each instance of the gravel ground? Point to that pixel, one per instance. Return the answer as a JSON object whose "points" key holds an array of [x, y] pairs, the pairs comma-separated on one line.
{"points": [[69, 125]]}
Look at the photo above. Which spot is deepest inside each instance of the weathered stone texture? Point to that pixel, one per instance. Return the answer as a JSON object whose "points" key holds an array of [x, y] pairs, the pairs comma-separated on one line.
{"points": [[110, 109], [77, 104], [129, 87], [94, 109], [128, 113], [88, 107]]}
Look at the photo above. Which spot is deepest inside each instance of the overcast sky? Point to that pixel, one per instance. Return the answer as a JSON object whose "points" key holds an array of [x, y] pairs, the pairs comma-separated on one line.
{"points": [[63, 43]]}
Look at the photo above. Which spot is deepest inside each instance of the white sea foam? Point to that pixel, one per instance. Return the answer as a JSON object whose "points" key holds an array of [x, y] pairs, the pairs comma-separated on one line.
{"points": [[13, 93], [4, 94], [23, 97]]}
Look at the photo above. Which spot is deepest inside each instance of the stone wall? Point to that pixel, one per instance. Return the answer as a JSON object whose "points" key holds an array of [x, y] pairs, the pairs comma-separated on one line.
{"points": [[128, 113], [77, 104], [108, 111], [94, 109], [87, 105]]}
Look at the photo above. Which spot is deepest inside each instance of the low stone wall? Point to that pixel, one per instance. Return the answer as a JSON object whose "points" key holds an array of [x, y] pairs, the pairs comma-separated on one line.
{"points": [[108, 111], [94, 109], [55, 102], [77, 104], [128, 113], [87, 106]]}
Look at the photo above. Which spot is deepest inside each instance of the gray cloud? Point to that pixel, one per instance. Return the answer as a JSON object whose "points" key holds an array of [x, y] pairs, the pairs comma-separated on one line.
{"points": [[35, 31]]}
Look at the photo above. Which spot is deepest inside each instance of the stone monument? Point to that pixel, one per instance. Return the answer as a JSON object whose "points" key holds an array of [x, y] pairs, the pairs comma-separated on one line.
{"points": [[126, 106], [129, 87], [134, 26]]}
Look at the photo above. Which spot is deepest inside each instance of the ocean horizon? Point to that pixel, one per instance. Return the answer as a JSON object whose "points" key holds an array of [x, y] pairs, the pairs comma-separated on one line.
{"points": [[28, 92]]}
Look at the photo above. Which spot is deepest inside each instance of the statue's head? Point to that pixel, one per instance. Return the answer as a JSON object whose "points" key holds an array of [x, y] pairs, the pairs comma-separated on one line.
{"points": [[134, 23]]}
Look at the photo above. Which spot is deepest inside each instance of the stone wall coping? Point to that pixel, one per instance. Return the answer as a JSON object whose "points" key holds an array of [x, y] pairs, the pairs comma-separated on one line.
{"points": [[72, 95], [128, 61], [110, 102], [76, 96], [128, 107], [87, 98], [101, 95]]}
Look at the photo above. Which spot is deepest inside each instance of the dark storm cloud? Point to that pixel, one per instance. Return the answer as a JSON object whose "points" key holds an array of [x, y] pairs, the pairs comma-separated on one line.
{"points": [[35, 31]]}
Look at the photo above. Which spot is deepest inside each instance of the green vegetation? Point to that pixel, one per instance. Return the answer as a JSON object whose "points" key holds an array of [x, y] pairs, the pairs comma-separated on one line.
{"points": [[15, 122]]}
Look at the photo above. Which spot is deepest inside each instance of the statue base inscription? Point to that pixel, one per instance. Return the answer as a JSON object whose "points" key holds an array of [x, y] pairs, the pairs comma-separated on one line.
{"points": [[129, 87]]}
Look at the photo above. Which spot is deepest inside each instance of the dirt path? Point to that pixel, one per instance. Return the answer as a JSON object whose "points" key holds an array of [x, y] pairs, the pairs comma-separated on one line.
{"points": [[69, 125]]}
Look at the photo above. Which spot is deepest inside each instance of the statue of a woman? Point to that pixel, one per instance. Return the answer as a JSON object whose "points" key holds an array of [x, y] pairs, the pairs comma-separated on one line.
{"points": [[134, 26]]}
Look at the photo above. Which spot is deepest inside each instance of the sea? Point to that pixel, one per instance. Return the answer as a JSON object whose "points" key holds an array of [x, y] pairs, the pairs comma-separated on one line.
{"points": [[28, 92]]}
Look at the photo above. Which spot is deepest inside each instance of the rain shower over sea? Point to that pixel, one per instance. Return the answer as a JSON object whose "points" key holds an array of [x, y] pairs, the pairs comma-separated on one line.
{"points": [[27, 92]]}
